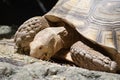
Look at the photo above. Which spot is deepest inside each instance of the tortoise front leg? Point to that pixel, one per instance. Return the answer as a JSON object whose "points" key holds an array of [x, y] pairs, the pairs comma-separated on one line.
{"points": [[86, 57]]}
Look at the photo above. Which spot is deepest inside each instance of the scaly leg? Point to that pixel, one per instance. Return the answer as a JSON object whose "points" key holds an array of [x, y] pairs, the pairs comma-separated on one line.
{"points": [[86, 57]]}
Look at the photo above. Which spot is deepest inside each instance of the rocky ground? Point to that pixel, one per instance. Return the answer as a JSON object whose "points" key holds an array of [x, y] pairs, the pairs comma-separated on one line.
{"points": [[14, 66]]}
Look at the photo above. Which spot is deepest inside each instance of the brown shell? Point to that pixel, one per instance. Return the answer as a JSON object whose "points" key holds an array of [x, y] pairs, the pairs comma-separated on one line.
{"points": [[26, 32]]}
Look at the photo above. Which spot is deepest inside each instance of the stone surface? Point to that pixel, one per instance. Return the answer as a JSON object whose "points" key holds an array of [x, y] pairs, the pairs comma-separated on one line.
{"points": [[51, 71], [14, 66], [6, 31]]}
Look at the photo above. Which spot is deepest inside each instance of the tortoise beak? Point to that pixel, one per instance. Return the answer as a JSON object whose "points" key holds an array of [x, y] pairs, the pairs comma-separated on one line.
{"points": [[38, 56], [34, 54]]}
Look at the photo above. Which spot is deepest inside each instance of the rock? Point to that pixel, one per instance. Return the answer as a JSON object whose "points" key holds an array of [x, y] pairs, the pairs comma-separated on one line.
{"points": [[6, 31], [6, 70], [51, 71]]}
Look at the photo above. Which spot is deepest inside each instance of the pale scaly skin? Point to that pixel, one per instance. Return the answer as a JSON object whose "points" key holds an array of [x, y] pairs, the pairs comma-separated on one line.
{"points": [[84, 56], [46, 43]]}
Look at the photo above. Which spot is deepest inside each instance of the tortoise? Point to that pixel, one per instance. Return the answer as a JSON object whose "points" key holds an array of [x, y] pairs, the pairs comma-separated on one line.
{"points": [[88, 33]]}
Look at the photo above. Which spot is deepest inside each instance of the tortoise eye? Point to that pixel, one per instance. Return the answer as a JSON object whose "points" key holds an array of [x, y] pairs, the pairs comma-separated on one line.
{"points": [[40, 47]]}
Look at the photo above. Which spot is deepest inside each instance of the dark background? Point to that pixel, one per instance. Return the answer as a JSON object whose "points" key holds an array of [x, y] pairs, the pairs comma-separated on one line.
{"points": [[15, 12]]}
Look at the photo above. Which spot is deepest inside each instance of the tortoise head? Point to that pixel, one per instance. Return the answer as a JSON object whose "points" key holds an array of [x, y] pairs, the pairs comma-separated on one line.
{"points": [[46, 43], [42, 46], [40, 50]]}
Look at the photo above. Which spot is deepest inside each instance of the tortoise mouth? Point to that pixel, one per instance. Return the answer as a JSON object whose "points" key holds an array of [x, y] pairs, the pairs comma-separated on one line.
{"points": [[43, 57]]}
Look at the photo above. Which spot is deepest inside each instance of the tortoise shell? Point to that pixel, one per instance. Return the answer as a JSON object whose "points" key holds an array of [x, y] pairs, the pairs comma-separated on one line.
{"points": [[96, 20]]}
